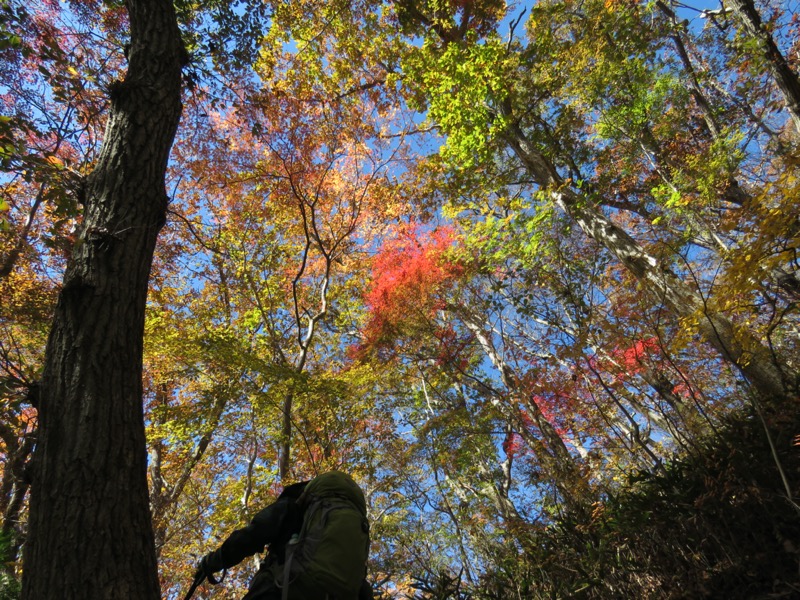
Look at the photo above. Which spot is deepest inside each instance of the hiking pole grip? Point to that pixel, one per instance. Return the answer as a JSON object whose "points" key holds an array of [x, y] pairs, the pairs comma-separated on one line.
{"points": [[198, 579]]}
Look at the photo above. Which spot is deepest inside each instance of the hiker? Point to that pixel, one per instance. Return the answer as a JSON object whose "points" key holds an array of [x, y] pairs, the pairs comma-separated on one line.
{"points": [[317, 536]]}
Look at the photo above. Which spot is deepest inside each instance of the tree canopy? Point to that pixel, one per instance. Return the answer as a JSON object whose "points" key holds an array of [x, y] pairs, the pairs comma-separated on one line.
{"points": [[527, 271]]}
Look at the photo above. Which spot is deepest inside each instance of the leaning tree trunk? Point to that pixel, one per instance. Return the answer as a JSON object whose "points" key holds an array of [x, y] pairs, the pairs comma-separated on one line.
{"points": [[90, 533], [741, 350], [780, 70]]}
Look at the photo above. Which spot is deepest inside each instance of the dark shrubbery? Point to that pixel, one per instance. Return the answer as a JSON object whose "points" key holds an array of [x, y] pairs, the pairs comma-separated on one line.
{"points": [[9, 586], [717, 524]]}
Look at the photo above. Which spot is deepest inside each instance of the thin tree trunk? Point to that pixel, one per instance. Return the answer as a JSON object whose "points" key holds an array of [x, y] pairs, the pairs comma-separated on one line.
{"points": [[10, 260], [14, 487], [304, 337], [90, 532], [694, 83], [551, 450], [164, 497], [783, 75], [734, 193], [284, 466]]}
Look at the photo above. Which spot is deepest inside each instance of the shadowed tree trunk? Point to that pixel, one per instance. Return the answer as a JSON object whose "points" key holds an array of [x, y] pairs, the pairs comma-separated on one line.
{"points": [[17, 446], [90, 533], [780, 70]]}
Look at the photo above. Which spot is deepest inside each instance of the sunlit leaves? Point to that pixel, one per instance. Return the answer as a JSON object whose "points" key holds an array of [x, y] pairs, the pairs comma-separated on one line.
{"points": [[465, 84], [409, 273]]}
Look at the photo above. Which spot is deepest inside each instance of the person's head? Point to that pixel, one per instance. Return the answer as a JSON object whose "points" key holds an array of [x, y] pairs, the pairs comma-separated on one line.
{"points": [[293, 491]]}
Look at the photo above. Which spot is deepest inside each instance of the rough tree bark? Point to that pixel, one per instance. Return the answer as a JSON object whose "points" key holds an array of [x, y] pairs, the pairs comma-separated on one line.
{"points": [[90, 533]]}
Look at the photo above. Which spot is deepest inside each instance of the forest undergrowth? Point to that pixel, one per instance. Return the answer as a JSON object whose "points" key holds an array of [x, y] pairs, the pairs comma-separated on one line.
{"points": [[714, 524]]}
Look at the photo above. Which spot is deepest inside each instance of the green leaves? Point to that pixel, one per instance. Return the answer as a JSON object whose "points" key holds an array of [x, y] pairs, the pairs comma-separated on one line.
{"points": [[465, 85], [3, 221], [316, 131], [644, 103]]}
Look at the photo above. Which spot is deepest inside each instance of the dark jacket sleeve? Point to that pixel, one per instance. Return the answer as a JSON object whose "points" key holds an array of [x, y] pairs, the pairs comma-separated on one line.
{"points": [[262, 531], [271, 525]]}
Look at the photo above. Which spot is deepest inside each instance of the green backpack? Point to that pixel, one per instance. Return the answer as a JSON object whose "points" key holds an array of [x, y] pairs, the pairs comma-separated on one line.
{"points": [[328, 558]]}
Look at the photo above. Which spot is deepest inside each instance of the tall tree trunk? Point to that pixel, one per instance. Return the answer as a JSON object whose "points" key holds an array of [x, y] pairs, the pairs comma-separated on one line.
{"points": [[285, 460], [783, 75], [305, 336], [90, 533], [693, 84], [744, 352]]}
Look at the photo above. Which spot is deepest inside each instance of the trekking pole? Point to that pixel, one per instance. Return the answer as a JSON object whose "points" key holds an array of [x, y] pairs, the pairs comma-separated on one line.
{"points": [[200, 576], [198, 579]]}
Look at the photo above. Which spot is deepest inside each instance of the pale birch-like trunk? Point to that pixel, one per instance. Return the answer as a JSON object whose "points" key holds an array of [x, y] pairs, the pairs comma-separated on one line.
{"points": [[744, 352], [552, 450]]}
